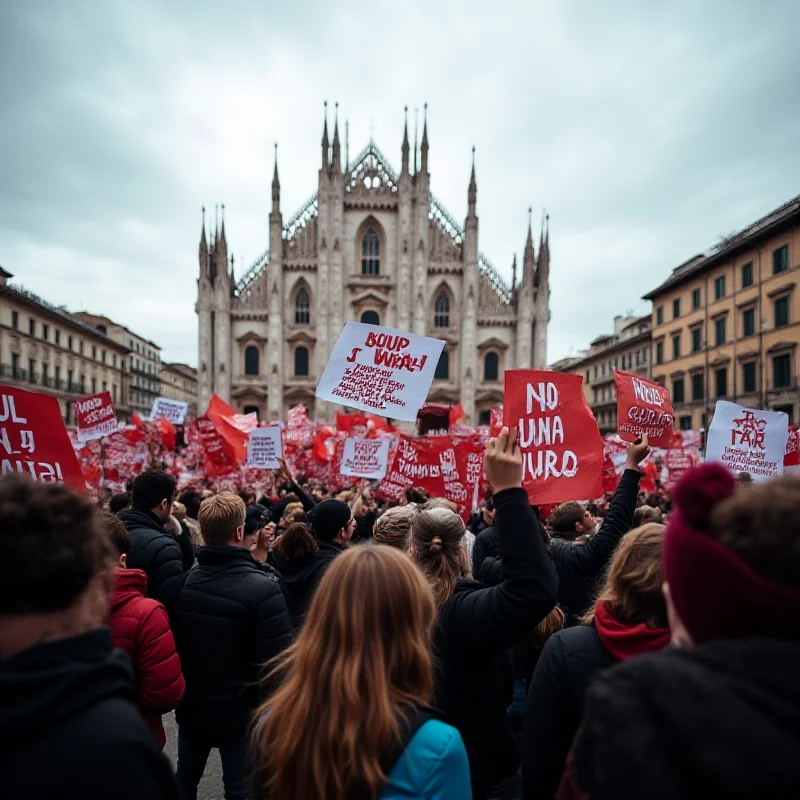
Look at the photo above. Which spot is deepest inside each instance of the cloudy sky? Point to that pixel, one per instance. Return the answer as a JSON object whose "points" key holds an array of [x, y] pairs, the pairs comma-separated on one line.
{"points": [[647, 133]]}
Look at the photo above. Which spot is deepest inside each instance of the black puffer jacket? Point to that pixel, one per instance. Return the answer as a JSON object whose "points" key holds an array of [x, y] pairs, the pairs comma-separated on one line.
{"points": [[157, 554], [69, 728], [487, 545], [717, 721], [231, 619]]}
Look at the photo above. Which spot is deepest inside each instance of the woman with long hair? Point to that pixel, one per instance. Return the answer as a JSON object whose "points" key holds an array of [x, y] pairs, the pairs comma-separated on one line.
{"points": [[350, 718], [293, 555], [476, 625], [629, 618]]}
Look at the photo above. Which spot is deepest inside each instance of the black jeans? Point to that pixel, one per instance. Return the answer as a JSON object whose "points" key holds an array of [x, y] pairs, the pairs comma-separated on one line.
{"points": [[192, 758]]}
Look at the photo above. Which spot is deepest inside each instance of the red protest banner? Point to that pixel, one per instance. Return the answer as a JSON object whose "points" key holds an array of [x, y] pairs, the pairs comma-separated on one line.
{"points": [[417, 462], [232, 427], [562, 451], [95, 417], [643, 407], [217, 461], [33, 439]]}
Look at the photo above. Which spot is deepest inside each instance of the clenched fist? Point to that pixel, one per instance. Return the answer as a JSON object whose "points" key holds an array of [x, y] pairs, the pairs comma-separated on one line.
{"points": [[503, 461]]}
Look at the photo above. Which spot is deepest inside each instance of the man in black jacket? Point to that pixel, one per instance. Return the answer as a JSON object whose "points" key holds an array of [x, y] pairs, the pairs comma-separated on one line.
{"points": [[153, 550], [68, 724], [231, 619]]}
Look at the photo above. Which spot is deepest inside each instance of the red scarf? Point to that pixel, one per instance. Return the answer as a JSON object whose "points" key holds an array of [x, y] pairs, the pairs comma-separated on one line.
{"points": [[625, 641]]}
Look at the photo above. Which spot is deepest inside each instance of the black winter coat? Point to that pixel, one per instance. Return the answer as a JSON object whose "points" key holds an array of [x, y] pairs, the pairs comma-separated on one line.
{"points": [[476, 627], [570, 660], [157, 554], [231, 619], [69, 728], [487, 545], [721, 720]]}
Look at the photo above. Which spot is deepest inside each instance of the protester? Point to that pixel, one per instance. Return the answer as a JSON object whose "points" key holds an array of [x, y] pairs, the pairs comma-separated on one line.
{"points": [[393, 527], [177, 527], [231, 619], [293, 554], [486, 545], [476, 626], [716, 715], [645, 514], [351, 718], [153, 550], [119, 502], [628, 619], [482, 519], [415, 495], [68, 727], [140, 626], [257, 523]]}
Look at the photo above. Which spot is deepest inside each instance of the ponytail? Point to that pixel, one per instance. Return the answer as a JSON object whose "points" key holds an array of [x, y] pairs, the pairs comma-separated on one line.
{"points": [[436, 547]]}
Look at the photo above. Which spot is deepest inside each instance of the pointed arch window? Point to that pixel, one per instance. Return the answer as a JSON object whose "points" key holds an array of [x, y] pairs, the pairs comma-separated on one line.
{"points": [[301, 362], [302, 308], [251, 360], [370, 318], [443, 367], [441, 311], [491, 367], [370, 253]]}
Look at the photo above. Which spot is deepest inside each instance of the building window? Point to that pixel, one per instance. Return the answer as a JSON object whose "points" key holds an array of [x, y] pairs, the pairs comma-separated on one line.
{"points": [[443, 367], [114, 392], [370, 318], [58, 336], [780, 259], [301, 362], [697, 336], [676, 308], [32, 327], [719, 288], [697, 386], [659, 352], [80, 347], [782, 311], [251, 360], [677, 390], [94, 385], [45, 332], [721, 378], [749, 377], [15, 320], [782, 371], [302, 308], [748, 322], [69, 342], [686, 423], [719, 331], [94, 353], [370, 253], [695, 298], [103, 356], [31, 370], [660, 315], [788, 410], [676, 346], [485, 417], [747, 274], [441, 311], [491, 367]]}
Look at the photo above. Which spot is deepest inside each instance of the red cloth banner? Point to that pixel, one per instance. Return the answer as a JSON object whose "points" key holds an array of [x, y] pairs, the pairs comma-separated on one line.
{"points": [[33, 439], [217, 460], [792, 458], [95, 417], [562, 451], [417, 462], [643, 407], [232, 427]]}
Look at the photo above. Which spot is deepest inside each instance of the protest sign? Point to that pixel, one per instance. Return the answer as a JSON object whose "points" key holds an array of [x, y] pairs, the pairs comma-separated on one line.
{"points": [[748, 440], [643, 407], [95, 417], [562, 452], [791, 461], [173, 411], [264, 448], [382, 370], [365, 458], [33, 439]]}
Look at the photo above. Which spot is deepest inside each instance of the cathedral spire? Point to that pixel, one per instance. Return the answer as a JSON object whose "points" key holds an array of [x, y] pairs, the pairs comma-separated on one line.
{"points": [[472, 194], [405, 147], [203, 241], [222, 230], [325, 143], [514, 273], [416, 137], [276, 185], [336, 163], [424, 163], [529, 242]]}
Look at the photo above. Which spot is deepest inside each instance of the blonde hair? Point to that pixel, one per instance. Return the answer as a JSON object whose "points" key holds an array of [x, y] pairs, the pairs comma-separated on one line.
{"points": [[436, 548], [361, 658], [288, 516], [393, 527], [220, 516]]}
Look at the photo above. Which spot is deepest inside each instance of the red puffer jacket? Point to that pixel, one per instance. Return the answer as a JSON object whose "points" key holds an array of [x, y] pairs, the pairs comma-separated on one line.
{"points": [[140, 626]]}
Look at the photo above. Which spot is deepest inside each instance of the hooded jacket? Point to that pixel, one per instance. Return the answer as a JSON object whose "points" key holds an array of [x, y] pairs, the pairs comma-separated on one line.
{"points": [[69, 728], [157, 554], [719, 720], [140, 626]]}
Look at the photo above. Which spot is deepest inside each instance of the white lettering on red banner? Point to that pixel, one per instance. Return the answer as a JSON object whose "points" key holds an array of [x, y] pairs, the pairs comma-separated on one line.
{"points": [[643, 407]]}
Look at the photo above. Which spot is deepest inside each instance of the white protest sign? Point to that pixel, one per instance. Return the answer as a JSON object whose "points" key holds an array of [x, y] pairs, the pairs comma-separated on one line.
{"points": [[748, 440], [264, 447], [172, 410], [365, 458], [382, 370]]}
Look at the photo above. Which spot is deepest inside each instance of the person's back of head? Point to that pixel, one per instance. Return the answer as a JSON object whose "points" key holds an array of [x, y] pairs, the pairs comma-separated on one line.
{"points": [[118, 535], [154, 490], [297, 544], [436, 548], [191, 500], [417, 495], [645, 514], [362, 656], [331, 520], [119, 502], [222, 519], [393, 527]]}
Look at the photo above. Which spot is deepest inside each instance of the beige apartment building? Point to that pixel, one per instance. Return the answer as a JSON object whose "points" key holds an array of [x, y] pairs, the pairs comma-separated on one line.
{"points": [[44, 348], [627, 349], [179, 382], [727, 325]]}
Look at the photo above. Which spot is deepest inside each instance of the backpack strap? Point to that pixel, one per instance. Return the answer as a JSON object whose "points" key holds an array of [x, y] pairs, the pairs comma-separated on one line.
{"points": [[411, 720]]}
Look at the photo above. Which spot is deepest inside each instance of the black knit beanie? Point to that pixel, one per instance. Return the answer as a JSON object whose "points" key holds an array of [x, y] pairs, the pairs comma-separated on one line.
{"points": [[328, 518]]}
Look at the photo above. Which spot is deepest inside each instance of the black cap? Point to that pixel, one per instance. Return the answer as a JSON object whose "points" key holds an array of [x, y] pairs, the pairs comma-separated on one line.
{"points": [[328, 518], [256, 518]]}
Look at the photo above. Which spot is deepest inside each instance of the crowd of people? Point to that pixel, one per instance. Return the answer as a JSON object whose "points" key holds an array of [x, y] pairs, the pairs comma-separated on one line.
{"points": [[335, 645]]}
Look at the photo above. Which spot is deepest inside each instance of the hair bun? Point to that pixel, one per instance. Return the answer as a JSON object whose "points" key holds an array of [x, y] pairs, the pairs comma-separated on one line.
{"points": [[700, 490], [435, 545]]}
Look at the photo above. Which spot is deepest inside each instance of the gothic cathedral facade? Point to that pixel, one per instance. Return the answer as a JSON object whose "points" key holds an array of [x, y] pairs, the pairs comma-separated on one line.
{"points": [[377, 247]]}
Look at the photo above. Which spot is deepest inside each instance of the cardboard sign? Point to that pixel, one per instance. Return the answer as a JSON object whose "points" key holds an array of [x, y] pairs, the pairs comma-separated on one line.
{"points": [[643, 407], [95, 417], [748, 440], [173, 411], [264, 447], [365, 458], [382, 370], [562, 452], [33, 439]]}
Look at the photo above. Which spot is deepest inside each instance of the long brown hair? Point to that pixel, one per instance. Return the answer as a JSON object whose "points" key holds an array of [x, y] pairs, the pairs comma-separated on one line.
{"points": [[362, 656], [436, 548], [632, 590]]}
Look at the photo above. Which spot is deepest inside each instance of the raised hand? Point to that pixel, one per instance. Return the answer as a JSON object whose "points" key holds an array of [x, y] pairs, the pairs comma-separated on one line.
{"points": [[637, 452], [503, 461]]}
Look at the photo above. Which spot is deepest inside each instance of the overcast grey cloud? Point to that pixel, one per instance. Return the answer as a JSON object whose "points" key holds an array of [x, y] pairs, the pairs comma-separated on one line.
{"points": [[646, 132]]}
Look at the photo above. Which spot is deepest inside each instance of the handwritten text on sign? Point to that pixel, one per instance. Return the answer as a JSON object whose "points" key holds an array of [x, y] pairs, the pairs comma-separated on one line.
{"points": [[365, 458], [643, 407], [95, 417], [264, 448], [379, 369], [173, 411]]}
